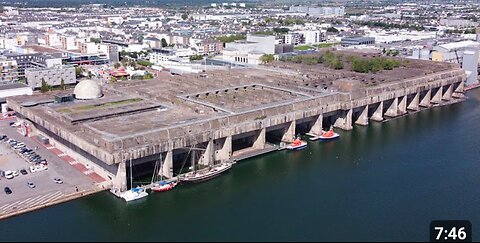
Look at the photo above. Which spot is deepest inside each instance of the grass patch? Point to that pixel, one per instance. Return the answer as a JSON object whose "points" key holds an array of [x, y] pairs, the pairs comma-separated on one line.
{"points": [[303, 48], [99, 106], [326, 45]]}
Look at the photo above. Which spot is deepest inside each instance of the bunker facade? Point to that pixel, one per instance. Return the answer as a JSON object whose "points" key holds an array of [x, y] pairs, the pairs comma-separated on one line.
{"points": [[222, 115]]}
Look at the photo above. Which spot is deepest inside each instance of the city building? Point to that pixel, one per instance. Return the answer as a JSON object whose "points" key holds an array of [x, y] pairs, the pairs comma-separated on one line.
{"points": [[8, 71], [250, 50], [319, 11], [354, 41], [13, 89], [464, 53], [53, 76], [25, 61], [159, 56]]}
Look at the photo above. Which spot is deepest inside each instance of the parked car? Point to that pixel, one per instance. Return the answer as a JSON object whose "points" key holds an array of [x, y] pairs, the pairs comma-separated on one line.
{"points": [[30, 184], [9, 174], [23, 171], [58, 180], [7, 190], [15, 173]]}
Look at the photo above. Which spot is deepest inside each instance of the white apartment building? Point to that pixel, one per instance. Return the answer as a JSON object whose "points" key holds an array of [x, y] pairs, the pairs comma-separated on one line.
{"points": [[310, 36], [52, 40], [69, 43], [160, 56], [7, 43], [250, 50]]}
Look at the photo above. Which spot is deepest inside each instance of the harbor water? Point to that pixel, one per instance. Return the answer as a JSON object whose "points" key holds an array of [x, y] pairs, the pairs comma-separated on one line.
{"points": [[382, 182]]}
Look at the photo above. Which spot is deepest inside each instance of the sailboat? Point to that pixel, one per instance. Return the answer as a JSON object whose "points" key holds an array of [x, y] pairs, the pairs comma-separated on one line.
{"points": [[133, 193], [162, 185], [208, 173]]}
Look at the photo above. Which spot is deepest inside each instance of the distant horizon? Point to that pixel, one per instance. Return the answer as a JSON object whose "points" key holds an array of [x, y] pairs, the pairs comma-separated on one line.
{"points": [[115, 3], [178, 3]]}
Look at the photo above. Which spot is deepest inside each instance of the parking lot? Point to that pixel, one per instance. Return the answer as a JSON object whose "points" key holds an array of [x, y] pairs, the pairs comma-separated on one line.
{"points": [[46, 189]]}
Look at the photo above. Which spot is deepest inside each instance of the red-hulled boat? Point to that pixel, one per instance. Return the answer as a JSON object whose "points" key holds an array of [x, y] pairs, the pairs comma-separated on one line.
{"points": [[164, 186]]}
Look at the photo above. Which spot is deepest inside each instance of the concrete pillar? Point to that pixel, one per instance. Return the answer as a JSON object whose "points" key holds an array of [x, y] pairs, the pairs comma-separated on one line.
{"points": [[317, 126], [378, 114], [223, 149], [392, 111], [415, 103], [448, 93], [363, 118], [167, 168], [344, 120], [120, 180], [260, 141], [425, 102], [459, 90], [289, 134], [207, 156], [402, 105], [437, 96]]}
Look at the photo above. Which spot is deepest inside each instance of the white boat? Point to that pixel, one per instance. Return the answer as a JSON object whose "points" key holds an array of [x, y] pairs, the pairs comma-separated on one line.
{"points": [[297, 144], [205, 174], [326, 135], [134, 194]]}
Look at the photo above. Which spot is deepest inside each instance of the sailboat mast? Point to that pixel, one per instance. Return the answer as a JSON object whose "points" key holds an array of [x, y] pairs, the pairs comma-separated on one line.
{"points": [[161, 167], [131, 175], [193, 162]]}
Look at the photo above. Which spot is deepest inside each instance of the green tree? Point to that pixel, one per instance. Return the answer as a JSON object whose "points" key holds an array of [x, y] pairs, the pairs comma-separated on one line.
{"points": [[116, 65], [148, 76], [267, 58], [44, 87], [196, 57], [184, 16], [62, 84], [332, 29], [144, 63], [95, 40], [164, 42], [113, 80], [78, 71]]}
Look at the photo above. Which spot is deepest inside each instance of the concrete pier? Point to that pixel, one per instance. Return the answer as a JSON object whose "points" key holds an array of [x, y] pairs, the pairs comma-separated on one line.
{"points": [[378, 113], [317, 126], [363, 118], [425, 101], [229, 112], [414, 105], [344, 120]]}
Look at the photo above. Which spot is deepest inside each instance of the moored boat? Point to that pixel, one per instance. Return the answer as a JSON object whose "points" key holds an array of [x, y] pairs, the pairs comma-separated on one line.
{"points": [[328, 135], [163, 186], [134, 194], [297, 144], [205, 174]]}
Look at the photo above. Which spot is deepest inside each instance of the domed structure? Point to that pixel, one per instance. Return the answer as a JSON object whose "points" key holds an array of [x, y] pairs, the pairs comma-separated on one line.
{"points": [[87, 90]]}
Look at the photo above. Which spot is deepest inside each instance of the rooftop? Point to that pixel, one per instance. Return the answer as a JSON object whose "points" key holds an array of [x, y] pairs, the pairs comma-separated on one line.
{"points": [[136, 109]]}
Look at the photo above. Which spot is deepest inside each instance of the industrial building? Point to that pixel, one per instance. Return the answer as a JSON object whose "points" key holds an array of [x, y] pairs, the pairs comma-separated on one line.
{"points": [[223, 115], [464, 53], [355, 41]]}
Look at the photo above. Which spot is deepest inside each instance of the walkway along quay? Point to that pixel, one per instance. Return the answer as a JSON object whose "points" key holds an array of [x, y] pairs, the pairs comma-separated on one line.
{"points": [[224, 113]]}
